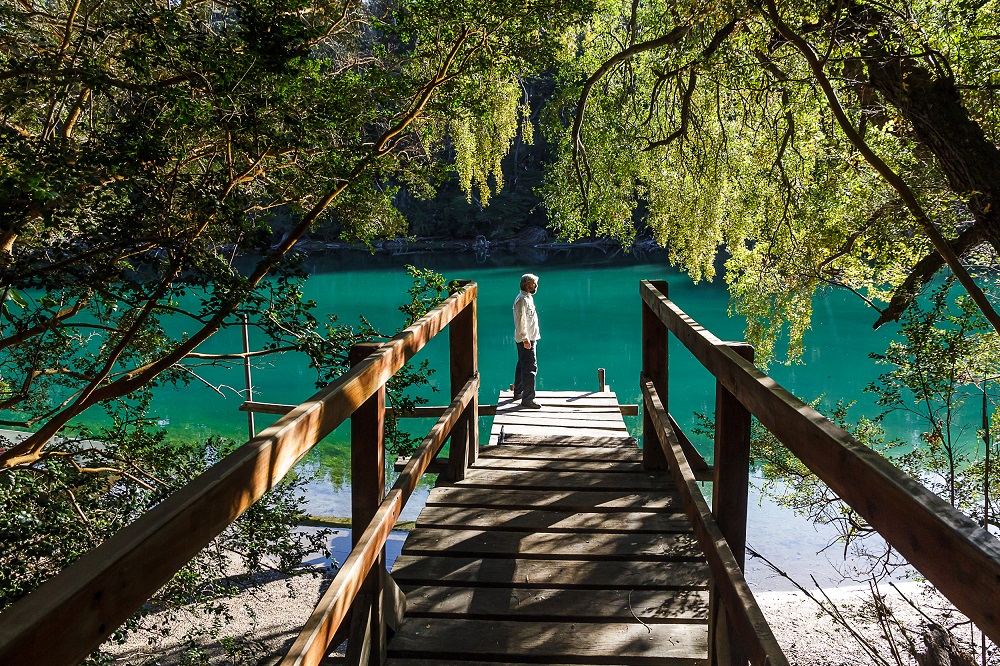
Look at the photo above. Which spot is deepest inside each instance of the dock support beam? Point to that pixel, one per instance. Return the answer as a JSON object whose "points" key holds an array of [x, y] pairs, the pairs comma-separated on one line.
{"points": [[730, 489], [654, 366], [366, 644]]}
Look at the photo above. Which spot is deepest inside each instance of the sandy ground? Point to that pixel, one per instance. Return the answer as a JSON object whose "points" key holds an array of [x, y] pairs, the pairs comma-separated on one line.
{"points": [[808, 636]]}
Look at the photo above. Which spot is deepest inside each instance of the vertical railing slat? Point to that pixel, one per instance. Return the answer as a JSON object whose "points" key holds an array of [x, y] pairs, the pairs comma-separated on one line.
{"points": [[654, 366], [366, 644], [730, 488], [463, 343]]}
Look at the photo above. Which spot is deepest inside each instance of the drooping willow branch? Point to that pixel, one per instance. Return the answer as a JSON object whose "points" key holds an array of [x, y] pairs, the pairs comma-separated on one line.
{"points": [[672, 38]]}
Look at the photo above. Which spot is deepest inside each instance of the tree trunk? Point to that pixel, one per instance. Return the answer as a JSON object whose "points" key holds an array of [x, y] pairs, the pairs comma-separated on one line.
{"points": [[940, 120]]}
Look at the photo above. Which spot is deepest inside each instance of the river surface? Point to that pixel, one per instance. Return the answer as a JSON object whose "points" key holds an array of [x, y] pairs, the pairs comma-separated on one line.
{"points": [[589, 310]]}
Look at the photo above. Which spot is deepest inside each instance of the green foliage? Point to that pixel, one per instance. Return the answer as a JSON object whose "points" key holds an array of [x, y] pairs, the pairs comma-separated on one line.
{"points": [[64, 505], [482, 143], [85, 489], [946, 349], [720, 141], [147, 147]]}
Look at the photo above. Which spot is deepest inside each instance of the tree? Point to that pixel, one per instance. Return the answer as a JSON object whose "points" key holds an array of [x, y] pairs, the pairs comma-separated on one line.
{"points": [[158, 164], [147, 146], [849, 144]]}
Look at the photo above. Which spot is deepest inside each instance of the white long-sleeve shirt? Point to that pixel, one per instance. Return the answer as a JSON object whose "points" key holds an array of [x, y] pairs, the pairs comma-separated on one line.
{"points": [[525, 318]]}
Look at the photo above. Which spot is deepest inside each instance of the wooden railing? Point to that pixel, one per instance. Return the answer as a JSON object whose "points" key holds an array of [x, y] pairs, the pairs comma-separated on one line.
{"points": [[953, 552], [65, 619]]}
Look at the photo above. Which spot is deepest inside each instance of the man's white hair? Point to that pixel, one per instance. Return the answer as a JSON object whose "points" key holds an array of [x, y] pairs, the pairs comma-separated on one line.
{"points": [[528, 278]]}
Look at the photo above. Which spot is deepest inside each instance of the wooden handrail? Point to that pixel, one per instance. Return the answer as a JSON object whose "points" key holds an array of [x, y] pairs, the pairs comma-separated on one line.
{"points": [[88, 600], [314, 640], [419, 412], [755, 634], [954, 553]]}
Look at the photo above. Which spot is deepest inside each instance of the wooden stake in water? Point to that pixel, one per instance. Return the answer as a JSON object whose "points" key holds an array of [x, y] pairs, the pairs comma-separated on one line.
{"points": [[247, 376]]}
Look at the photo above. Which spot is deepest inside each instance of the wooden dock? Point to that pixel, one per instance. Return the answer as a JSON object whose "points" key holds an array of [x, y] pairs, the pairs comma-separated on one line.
{"points": [[561, 545], [557, 547]]}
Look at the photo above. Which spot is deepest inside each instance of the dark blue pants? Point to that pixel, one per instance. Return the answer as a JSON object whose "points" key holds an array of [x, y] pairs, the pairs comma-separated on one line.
{"points": [[525, 371]]}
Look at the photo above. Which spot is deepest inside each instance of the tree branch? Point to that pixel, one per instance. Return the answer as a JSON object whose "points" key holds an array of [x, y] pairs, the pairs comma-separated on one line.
{"points": [[890, 176], [924, 270]]}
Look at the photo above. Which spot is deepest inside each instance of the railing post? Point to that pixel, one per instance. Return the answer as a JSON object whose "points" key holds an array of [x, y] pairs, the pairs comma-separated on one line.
{"points": [[367, 640], [464, 346], [730, 489], [654, 366]]}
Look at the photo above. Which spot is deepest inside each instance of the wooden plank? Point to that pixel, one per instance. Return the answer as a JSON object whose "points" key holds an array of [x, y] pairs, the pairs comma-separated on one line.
{"points": [[554, 404], [579, 453], [571, 440], [565, 395], [88, 600], [544, 417], [730, 490], [627, 643], [528, 545], [367, 638], [552, 521], [557, 499], [504, 478], [550, 421], [960, 558], [559, 574], [402, 661], [655, 366], [539, 431], [607, 466], [485, 603], [609, 411]]}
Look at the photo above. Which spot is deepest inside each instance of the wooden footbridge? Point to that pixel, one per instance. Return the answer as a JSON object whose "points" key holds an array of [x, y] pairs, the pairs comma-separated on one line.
{"points": [[558, 542]]}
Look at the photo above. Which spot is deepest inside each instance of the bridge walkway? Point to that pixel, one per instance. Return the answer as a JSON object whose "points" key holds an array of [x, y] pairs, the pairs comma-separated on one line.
{"points": [[557, 547]]}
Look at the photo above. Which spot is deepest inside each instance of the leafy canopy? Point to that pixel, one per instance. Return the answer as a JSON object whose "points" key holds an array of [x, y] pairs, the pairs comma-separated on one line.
{"points": [[707, 123]]}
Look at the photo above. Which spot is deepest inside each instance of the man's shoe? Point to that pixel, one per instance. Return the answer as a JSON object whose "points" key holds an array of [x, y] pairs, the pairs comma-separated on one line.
{"points": [[517, 396], [530, 405]]}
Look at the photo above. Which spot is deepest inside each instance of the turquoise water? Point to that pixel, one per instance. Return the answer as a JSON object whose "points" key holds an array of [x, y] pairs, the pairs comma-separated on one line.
{"points": [[589, 309]]}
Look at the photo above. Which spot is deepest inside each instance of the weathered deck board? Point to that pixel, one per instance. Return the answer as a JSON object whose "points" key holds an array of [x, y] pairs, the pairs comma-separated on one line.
{"points": [[553, 440], [463, 662], [552, 521], [556, 545], [484, 603], [628, 642], [543, 480], [560, 465], [580, 500], [579, 453], [556, 548], [563, 413], [561, 574]]}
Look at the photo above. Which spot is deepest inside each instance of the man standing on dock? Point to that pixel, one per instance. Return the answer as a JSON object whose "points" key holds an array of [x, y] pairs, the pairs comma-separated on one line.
{"points": [[526, 336]]}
